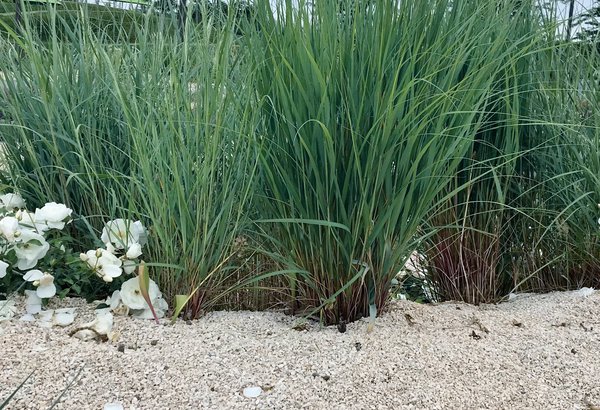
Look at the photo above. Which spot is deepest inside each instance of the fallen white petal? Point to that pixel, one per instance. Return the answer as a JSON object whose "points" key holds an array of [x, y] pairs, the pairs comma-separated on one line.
{"points": [[7, 309], [103, 322], [114, 336], [121, 310], [33, 304], [64, 317], [45, 318], [85, 335]]}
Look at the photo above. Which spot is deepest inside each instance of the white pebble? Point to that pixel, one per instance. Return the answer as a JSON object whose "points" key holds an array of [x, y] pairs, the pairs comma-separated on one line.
{"points": [[113, 406], [252, 392]]}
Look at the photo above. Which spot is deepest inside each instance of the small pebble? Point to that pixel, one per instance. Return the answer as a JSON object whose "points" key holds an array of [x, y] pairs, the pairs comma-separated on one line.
{"points": [[113, 406], [252, 392], [475, 335]]}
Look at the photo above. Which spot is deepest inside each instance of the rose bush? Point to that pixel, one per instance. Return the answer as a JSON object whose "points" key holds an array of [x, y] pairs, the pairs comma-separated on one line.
{"points": [[23, 243], [31, 251]]}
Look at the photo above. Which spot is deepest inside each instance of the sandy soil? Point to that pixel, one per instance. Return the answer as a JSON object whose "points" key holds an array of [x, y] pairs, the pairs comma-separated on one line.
{"points": [[534, 352]]}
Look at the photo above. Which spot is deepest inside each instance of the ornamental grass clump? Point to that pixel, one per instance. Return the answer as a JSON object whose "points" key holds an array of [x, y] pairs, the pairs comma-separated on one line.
{"points": [[555, 239], [525, 219], [367, 113], [63, 136], [192, 119], [465, 251], [158, 131]]}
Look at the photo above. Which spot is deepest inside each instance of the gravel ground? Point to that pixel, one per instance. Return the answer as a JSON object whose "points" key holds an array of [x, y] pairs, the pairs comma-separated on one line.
{"points": [[534, 352]]}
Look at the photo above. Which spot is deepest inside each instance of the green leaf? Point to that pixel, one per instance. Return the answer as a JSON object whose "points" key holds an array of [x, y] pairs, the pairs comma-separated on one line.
{"points": [[144, 279], [306, 222], [180, 302]]}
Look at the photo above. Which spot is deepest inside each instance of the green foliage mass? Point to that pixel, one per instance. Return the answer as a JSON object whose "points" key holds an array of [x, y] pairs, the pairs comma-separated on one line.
{"points": [[300, 155]]}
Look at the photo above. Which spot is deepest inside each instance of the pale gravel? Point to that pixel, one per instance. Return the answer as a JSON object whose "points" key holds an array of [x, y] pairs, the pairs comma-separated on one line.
{"points": [[549, 361]]}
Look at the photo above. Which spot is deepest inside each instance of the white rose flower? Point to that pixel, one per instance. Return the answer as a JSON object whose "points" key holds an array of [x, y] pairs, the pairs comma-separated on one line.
{"points": [[160, 307], [131, 295], [54, 215], [33, 275], [110, 248], [9, 226], [30, 248], [115, 305], [122, 233], [43, 281], [27, 220], [129, 266], [46, 288], [12, 201], [3, 268], [134, 251], [106, 265]]}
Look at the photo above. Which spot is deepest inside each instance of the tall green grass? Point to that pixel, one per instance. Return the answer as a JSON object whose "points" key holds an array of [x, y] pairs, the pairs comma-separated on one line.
{"points": [[465, 254], [115, 23], [195, 155], [527, 220], [368, 114], [332, 141], [159, 130], [558, 188]]}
